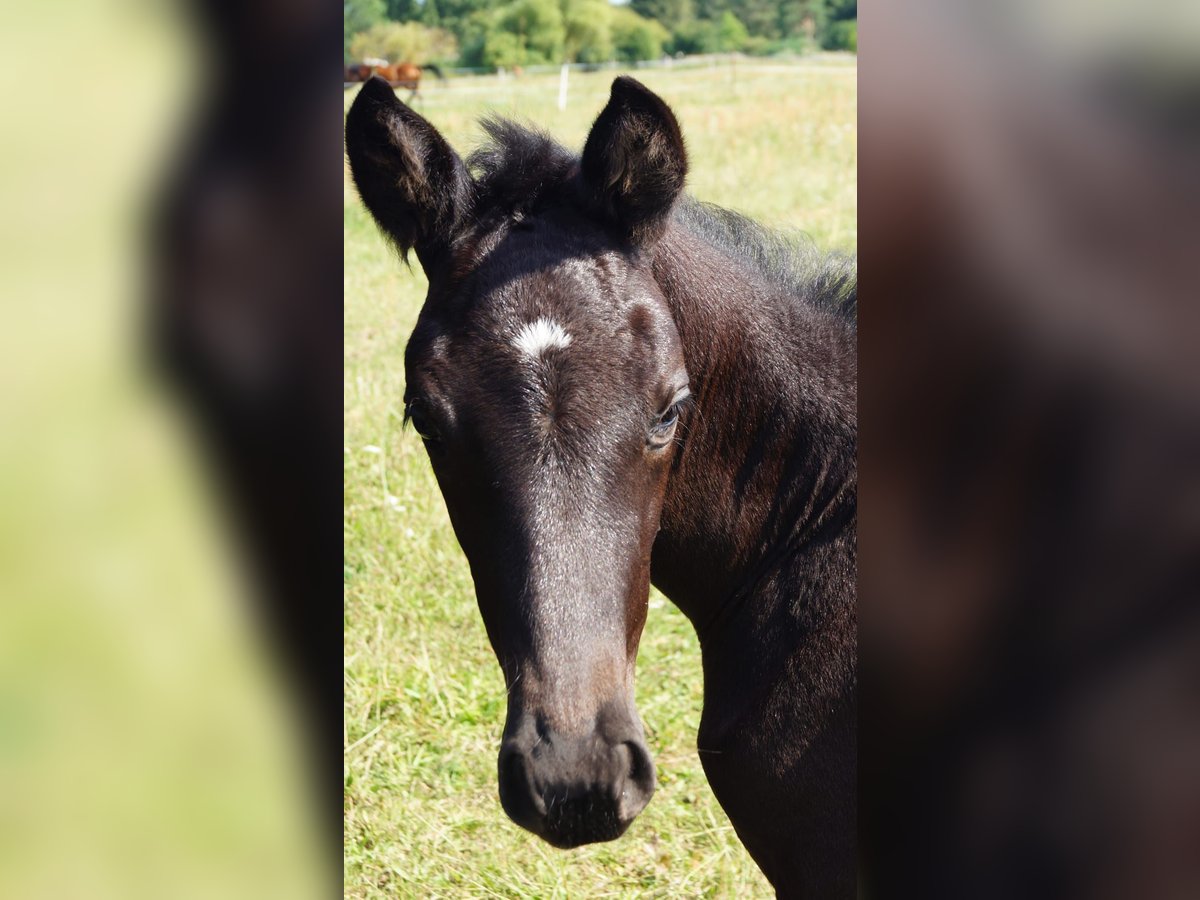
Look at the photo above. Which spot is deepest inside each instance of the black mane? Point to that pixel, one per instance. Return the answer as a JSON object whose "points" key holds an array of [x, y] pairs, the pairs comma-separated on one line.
{"points": [[823, 279], [520, 168]]}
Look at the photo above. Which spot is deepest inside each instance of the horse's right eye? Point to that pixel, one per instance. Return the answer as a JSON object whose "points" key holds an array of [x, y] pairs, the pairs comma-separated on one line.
{"points": [[662, 429], [422, 423]]}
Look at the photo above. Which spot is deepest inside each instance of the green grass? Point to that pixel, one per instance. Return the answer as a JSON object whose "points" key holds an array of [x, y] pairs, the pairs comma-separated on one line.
{"points": [[424, 696]]}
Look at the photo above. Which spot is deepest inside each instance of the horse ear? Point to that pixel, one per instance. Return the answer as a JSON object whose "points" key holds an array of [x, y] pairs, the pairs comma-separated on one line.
{"points": [[412, 182], [634, 162]]}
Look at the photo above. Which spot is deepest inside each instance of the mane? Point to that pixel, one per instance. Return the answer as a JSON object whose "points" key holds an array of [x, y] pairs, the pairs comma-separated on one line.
{"points": [[520, 167], [823, 279]]}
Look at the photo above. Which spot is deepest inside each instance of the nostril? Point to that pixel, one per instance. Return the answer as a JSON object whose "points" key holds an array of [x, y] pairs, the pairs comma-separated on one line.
{"points": [[638, 783], [641, 769], [520, 800]]}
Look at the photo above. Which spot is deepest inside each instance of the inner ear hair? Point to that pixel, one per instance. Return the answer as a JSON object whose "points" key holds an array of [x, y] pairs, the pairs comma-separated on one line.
{"points": [[410, 179], [634, 162]]}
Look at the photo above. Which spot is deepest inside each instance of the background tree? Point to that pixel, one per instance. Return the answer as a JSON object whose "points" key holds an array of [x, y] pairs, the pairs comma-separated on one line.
{"points": [[672, 14], [712, 9], [503, 49], [587, 31], [532, 32], [839, 31], [403, 10], [357, 16], [761, 17], [458, 13], [430, 16], [536, 25], [405, 42], [731, 33], [636, 38], [842, 10], [802, 19]]}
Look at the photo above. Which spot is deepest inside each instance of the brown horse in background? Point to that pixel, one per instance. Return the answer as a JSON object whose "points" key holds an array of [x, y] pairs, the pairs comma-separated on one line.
{"points": [[398, 75]]}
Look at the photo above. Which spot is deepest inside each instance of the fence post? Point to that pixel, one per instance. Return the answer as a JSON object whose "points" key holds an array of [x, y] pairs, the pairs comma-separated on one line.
{"points": [[562, 87]]}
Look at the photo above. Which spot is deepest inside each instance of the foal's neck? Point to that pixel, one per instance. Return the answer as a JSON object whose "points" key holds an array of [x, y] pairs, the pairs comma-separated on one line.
{"points": [[767, 460]]}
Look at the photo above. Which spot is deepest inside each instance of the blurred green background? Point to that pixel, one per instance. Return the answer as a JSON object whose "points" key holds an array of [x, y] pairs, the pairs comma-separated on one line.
{"points": [[146, 749], [483, 34]]}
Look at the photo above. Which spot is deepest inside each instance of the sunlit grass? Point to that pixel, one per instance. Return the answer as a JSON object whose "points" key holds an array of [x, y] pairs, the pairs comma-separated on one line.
{"points": [[424, 696]]}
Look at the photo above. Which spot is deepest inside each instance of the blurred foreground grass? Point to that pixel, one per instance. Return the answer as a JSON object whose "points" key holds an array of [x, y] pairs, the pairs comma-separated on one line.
{"points": [[424, 697]]}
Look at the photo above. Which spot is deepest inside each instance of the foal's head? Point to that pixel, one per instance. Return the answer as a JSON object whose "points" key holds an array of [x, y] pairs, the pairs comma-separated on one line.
{"points": [[545, 376]]}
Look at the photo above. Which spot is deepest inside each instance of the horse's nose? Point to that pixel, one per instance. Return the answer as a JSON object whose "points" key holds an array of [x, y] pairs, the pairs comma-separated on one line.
{"points": [[573, 791]]}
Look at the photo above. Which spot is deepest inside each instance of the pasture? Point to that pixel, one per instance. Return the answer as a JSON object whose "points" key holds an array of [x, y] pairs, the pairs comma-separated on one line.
{"points": [[424, 695]]}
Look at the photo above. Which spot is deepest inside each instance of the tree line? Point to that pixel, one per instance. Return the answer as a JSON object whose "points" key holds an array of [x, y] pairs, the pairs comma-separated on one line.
{"points": [[486, 34]]}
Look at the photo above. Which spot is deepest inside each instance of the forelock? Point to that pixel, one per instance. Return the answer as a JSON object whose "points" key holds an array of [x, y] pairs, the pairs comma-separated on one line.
{"points": [[518, 168]]}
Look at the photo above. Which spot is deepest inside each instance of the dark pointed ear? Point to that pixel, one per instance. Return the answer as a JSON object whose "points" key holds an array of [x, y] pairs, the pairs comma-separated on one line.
{"points": [[410, 179], [634, 162]]}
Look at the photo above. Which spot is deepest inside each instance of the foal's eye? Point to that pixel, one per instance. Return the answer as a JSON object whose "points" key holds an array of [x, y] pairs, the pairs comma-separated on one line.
{"points": [[662, 429], [422, 423]]}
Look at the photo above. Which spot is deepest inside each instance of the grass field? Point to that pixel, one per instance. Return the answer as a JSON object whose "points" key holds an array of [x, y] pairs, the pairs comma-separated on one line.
{"points": [[424, 696]]}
